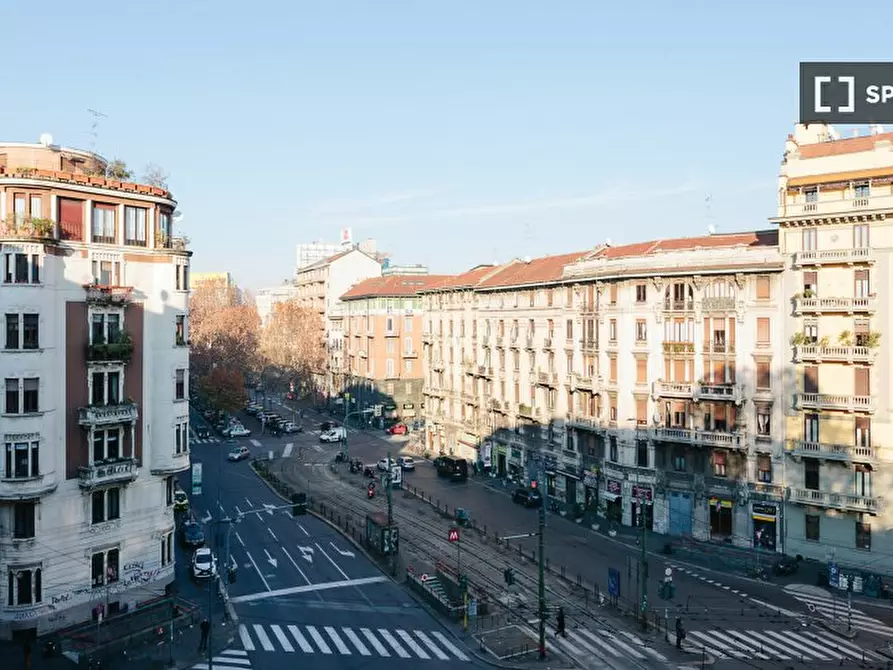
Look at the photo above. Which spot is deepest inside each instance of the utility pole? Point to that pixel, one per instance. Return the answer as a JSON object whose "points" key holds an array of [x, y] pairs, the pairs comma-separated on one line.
{"points": [[391, 514], [541, 547], [643, 560]]}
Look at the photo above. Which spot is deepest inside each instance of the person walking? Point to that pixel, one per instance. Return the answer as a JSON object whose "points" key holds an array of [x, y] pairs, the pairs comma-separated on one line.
{"points": [[559, 630], [680, 633], [206, 631]]}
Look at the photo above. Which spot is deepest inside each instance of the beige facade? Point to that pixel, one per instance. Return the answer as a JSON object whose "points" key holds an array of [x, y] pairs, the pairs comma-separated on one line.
{"points": [[835, 231]]}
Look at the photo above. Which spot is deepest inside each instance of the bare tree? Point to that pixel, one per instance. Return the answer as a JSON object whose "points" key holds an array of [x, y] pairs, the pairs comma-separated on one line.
{"points": [[117, 169], [223, 331], [293, 341], [155, 175]]}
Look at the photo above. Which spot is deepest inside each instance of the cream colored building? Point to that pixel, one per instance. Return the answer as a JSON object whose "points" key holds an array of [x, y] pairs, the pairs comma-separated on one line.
{"points": [[834, 209]]}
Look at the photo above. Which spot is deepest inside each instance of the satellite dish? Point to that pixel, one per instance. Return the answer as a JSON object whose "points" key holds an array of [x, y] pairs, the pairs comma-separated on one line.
{"points": [[46, 139]]}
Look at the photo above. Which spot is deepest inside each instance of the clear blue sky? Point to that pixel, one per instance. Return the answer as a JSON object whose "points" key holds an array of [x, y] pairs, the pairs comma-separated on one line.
{"points": [[454, 132]]}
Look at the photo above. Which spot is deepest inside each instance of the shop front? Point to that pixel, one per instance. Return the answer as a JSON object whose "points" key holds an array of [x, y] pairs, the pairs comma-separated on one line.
{"points": [[572, 492], [720, 518], [765, 531], [642, 503], [613, 500], [486, 454], [501, 459], [591, 481], [515, 464]]}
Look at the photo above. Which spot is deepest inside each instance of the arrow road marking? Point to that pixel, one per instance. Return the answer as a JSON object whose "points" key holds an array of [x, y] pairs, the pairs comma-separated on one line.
{"points": [[238, 511], [297, 567], [350, 554], [221, 508], [306, 553], [272, 560], [207, 518], [273, 534]]}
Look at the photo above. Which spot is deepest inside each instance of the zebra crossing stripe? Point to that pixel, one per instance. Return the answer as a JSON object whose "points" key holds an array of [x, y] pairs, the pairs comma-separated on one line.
{"points": [[779, 653], [378, 646], [296, 633], [806, 651], [847, 647], [738, 646], [231, 659], [262, 638], [355, 640], [623, 645], [707, 643], [747, 644], [583, 636], [320, 642], [453, 649], [247, 642], [431, 646], [412, 644], [283, 640], [337, 641], [640, 644], [288, 449], [235, 652], [401, 652]]}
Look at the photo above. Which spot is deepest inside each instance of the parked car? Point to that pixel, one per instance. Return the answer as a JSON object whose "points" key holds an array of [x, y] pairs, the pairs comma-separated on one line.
{"points": [[192, 535], [204, 565], [181, 501], [254, 409], [406, 462], [456, 469], [398, 429], [786, 565], [385, 464], [203, 432], [333, 435], [239, 453], [527, 497], [291, 427], [238, 431]]}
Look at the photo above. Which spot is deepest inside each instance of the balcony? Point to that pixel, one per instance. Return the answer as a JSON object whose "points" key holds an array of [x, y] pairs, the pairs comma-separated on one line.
{"points": [[469, 424], [107, 415], [108, 296], [719, 347], [529, 342], [527, 411], [679, 348], [116, 349], [679, 305], [814, 305], [437, 366], [831, 401], [831, 452], [24, 228], [24, 488], [579, 420], [833, 257], [362, 354], [589, 346], [171, 464], [428, 337], [837, 206], [469, 397], [501, 341], [767, 490], [662, 389], [841, 501], [547, 378], [119, 471], [731, 392], [839, 354], [485, 371], [410, 354], [701, 438], [586, 382], [718, 304], [547, 344]]}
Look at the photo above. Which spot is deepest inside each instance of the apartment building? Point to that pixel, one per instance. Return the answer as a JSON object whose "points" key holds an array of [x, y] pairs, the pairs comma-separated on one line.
{"points": [[95, 292], [638, 379], [835, 201], [319, 286], [266, 300], [383, 321]]}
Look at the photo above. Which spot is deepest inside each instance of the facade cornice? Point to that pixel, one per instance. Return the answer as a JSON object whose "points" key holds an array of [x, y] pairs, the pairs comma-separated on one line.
{"points": [[89, 190]]}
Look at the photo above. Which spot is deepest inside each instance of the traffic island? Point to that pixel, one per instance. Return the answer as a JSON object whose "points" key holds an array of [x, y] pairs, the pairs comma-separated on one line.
{"points": [[508, 643]]}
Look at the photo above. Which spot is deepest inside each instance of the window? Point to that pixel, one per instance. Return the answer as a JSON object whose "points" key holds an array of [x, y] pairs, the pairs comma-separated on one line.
{"points": [[24, 587], [764, 422], [719, 464], [763, 288], [167, 549], [612, 370], [764, 376], [861, 286], [22, 331], [164, 229], [863, 536], [862, 189], [390, 346], [107, 273], [407, 366], [811, 379], [135, 226], [407, 325], [613, 454], [22, 460], [23, 522], [641, 371], [12, 331], [389, 325], [764, 469], [180, 385], [169, 491], [810, 239], [569, 329], [612, 330], [19, 208], [811, 427], [389, 367], [862, 382], [104, 224], [642, 453], [181, 277], [811, 332], [810, 284], [813, 523], [106, 505], [641, 412], [679, 461], [863, 432], [105, 567], [811, 194], [107, 445], [860, 236], [811, 470], [763, 331], [180, 330], [105, 388], [613, 294], [641, 293], [21, 268], [641, 330], [181, 437], [105, 328], [22, 396]]}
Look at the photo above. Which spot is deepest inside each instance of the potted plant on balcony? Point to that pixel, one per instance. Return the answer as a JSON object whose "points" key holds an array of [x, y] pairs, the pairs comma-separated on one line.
{"points": [[825, 341], [873, 340], [845, 339], [808, 293], [798, 339]]}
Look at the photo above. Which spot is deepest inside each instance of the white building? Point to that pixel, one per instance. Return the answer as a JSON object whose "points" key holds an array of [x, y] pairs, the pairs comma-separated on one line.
{"points": [[267, 298], [96, 403]]}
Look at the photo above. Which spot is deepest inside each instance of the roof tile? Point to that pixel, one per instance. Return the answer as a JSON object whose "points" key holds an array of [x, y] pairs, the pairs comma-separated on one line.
{"points": [[536, 271], [393, 286], [849, 145]]}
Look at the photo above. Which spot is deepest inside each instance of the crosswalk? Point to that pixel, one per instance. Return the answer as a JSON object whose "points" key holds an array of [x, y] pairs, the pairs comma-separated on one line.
{"points": [[203, 440], [323, 640], [231, 659], [581, 642], [779, 645], [835, 609]]}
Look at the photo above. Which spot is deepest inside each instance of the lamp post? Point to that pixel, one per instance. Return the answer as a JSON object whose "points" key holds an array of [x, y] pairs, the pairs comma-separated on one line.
{"points": [[347, 415]]}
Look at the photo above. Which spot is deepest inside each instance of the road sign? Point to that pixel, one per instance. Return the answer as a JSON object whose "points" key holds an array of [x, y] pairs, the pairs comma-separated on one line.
{"points": [[472, 607], [424, 577], [453, 535], [833, 575], [196, 479], [614, 582], [377, 410], [396, 475]]}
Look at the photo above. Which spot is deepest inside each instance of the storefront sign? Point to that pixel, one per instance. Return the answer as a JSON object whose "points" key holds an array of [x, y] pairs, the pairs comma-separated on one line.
{"points": [[590, 479], [642, 492], [717, 503], [486, 454], [197, 479], [763, 512], [408, 405], [516, 453]]}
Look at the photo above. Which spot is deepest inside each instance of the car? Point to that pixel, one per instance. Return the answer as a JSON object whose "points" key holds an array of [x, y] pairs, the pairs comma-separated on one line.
{"points": [[204, 565], [333, 435], [385, 464], [192, 535], [786, 565], [181, 501], [238, 431], [239, 453], [203, 431], [438, 461], [291, 427], [527, 497], [398, 429], [406, 462], [254, 409]]}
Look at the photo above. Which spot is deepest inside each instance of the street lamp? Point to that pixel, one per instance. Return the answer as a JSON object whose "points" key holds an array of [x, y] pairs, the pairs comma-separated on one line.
{"points": [[347, 415]]}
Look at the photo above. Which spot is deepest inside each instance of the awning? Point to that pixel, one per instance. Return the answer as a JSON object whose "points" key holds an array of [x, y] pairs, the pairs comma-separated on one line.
{"points": [[763, 517], [714, 502], [610, 497]]}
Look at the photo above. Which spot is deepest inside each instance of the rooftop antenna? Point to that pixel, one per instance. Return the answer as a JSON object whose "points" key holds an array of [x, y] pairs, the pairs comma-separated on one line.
{"points": [[94, 132]]}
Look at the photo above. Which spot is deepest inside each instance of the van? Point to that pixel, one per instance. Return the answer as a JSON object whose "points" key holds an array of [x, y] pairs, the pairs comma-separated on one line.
{"points": [[336, 434], [453, 468]]}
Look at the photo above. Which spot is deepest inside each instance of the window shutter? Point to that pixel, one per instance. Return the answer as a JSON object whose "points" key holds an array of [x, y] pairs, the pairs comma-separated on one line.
{"points": [[763, 330], [763, 288]]}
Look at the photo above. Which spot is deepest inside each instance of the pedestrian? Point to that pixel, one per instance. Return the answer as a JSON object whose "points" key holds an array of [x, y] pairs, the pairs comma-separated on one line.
{"points": [[206, 630], [680, 633], [560, 620]]}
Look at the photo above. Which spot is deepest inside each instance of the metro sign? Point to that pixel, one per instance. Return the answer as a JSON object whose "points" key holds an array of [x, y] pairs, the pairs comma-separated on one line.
{"points": [[453, 535]]}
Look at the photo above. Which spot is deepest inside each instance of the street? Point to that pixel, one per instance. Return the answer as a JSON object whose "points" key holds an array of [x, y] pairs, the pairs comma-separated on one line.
{"points": [[300, 588]]}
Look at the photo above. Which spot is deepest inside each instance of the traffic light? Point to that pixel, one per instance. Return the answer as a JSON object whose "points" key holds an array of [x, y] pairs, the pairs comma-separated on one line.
{"points": [[463, 583], [533, 483], [299, 504], [509, 576]]}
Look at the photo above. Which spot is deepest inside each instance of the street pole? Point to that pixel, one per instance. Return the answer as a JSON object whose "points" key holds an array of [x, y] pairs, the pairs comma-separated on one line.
{"points": [[391, 515], [346, 411], [644, 561], [541, 548]]}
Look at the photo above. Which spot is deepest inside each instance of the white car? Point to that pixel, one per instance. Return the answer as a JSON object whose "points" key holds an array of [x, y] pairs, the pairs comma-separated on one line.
{"points": [[384, 464], [333, 435], [238, 431], [291, 427], [406, 462], [204, 565]]}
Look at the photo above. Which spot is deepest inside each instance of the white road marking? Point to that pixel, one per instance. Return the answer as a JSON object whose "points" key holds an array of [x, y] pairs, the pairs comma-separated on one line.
{"points": [[249, 503], [288, 449], [449, 645], [378, 646], [401, 652], [803, 649], [305, 646], [235, 652], [761, 643], [707, 643], [283, 639], [265, 641], [337, 567], [356, 641], [336, 639], [231, 660], [260, 574], [583, 636], [303, 530], [412, 644], [431, 646], [324, 586], [246, 638], [239, 538], [320, 642], [301, 572], [256, 443], [273, 534], [623, 645]]}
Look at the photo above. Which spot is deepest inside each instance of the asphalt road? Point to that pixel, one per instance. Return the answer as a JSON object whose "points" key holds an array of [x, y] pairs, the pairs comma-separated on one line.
{"points": [[301, 589]]}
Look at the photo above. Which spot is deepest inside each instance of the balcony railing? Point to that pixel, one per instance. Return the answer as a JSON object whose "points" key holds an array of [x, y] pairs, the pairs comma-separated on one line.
{"points": [[437, 365], [579, 420], [585, 382], [679, 347], [662, 389], [702, 438], [23, 488], [838, 206], [547, 378], [116, 349], [19, 227], [847, 403], [730, 392], [119, 471], [833, 256], [835, 305], [837, 354], [485, 371], [589, 346], [105, 415], [110, 296], [547, 343], [428, 337], [410, 354], [718, 304], [679, 305], [529, 342], [719, 347], [170, 464], [830, 451], [767, 489], [842, 501], [527, 411]]}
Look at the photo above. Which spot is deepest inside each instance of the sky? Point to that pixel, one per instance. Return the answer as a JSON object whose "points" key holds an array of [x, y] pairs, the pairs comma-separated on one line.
{"points": [[455, 133]]}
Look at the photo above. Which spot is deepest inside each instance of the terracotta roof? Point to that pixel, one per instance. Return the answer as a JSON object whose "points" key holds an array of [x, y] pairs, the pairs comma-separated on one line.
{"points": [[537, 271], [849, 145], [758, 238], [468, 279], [393, 286]]}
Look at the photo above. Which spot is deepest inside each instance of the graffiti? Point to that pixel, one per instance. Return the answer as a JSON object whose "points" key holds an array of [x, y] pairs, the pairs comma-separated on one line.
{"points": [[59, 618], [135, 566], [63, 598], [27, 615]]}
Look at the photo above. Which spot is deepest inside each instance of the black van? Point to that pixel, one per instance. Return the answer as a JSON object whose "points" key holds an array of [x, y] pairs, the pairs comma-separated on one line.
{"points": [[454, 468]]}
